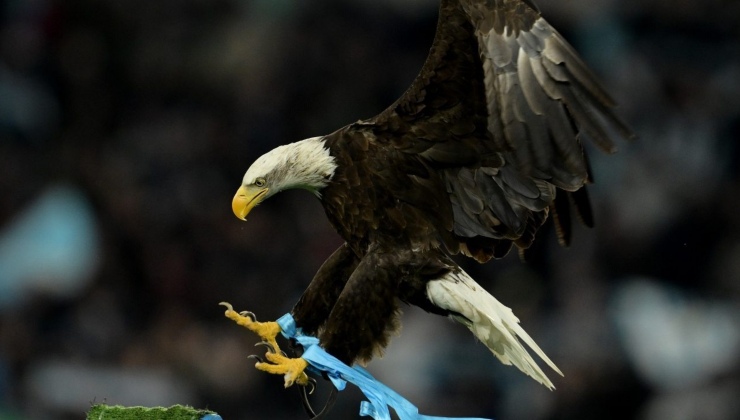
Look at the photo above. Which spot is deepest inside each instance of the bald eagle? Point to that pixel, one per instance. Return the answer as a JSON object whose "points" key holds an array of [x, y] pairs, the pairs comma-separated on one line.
{"points": [[471, 160]]}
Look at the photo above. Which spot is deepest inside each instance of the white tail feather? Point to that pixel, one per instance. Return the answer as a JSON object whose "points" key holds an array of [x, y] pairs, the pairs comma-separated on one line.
{"points": [[491, 322]]}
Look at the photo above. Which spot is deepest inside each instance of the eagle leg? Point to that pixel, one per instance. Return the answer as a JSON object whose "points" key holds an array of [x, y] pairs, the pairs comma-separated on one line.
{"points": [[316, 303], [277, 362]]}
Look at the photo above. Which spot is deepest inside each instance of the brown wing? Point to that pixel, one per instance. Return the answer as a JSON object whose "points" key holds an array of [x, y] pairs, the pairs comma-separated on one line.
{"points": [[541, 96], [500, 108]]}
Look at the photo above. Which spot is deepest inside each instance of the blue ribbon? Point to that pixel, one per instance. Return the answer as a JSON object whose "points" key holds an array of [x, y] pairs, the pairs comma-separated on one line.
{"points": [[380, 396]]}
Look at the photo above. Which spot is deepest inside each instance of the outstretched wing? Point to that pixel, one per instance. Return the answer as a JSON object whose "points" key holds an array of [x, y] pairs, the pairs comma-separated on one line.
{"points": [[500, 107], [541, 97]]}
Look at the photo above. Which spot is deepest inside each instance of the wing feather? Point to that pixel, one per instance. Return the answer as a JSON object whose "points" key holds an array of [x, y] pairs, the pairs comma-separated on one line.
{"points": [[505, 102]]}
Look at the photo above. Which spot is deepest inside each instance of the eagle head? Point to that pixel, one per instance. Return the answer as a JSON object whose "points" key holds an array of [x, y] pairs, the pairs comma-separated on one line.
{"points": [[306, 164]]}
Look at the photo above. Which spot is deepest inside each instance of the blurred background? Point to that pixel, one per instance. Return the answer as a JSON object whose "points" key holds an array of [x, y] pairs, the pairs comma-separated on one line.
{"points": [[126, 126]]}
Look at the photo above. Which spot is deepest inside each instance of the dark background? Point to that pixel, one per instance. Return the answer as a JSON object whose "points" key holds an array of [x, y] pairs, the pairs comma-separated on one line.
{"points": [[126, 126]]}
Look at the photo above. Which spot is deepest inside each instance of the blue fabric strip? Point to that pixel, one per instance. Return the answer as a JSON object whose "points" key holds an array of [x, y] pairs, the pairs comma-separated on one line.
{"points": [[380, 397]]}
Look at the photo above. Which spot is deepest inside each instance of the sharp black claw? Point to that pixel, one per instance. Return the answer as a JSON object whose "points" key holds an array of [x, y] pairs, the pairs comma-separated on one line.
{"points": [[257, 358], [266, 344], [270, 347], [251, 315]]}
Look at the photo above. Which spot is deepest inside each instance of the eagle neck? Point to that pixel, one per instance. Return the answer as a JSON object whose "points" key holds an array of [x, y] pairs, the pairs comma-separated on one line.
{"points": [[306, 164]]}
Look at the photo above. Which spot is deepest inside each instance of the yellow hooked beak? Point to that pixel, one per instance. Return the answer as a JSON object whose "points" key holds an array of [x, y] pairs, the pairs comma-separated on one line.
{"points": [[245, 199]]}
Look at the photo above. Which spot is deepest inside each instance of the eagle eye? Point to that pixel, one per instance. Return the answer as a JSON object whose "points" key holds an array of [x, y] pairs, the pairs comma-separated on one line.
{"points": [[260, 182]]}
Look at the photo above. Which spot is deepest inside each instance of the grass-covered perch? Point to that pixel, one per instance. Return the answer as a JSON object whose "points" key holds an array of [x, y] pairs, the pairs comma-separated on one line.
{"points": [[176, 412]]}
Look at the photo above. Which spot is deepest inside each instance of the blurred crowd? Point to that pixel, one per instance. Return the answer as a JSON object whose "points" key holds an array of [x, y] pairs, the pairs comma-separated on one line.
{"points": [[126, 126]]}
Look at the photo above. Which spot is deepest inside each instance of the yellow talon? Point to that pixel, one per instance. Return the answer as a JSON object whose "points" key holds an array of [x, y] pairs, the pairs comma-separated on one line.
{"points": [[291, 369], [268, 331]]}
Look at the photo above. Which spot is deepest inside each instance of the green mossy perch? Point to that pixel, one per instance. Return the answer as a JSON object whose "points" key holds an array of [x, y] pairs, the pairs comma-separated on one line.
{"points": [[176, 412]]}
